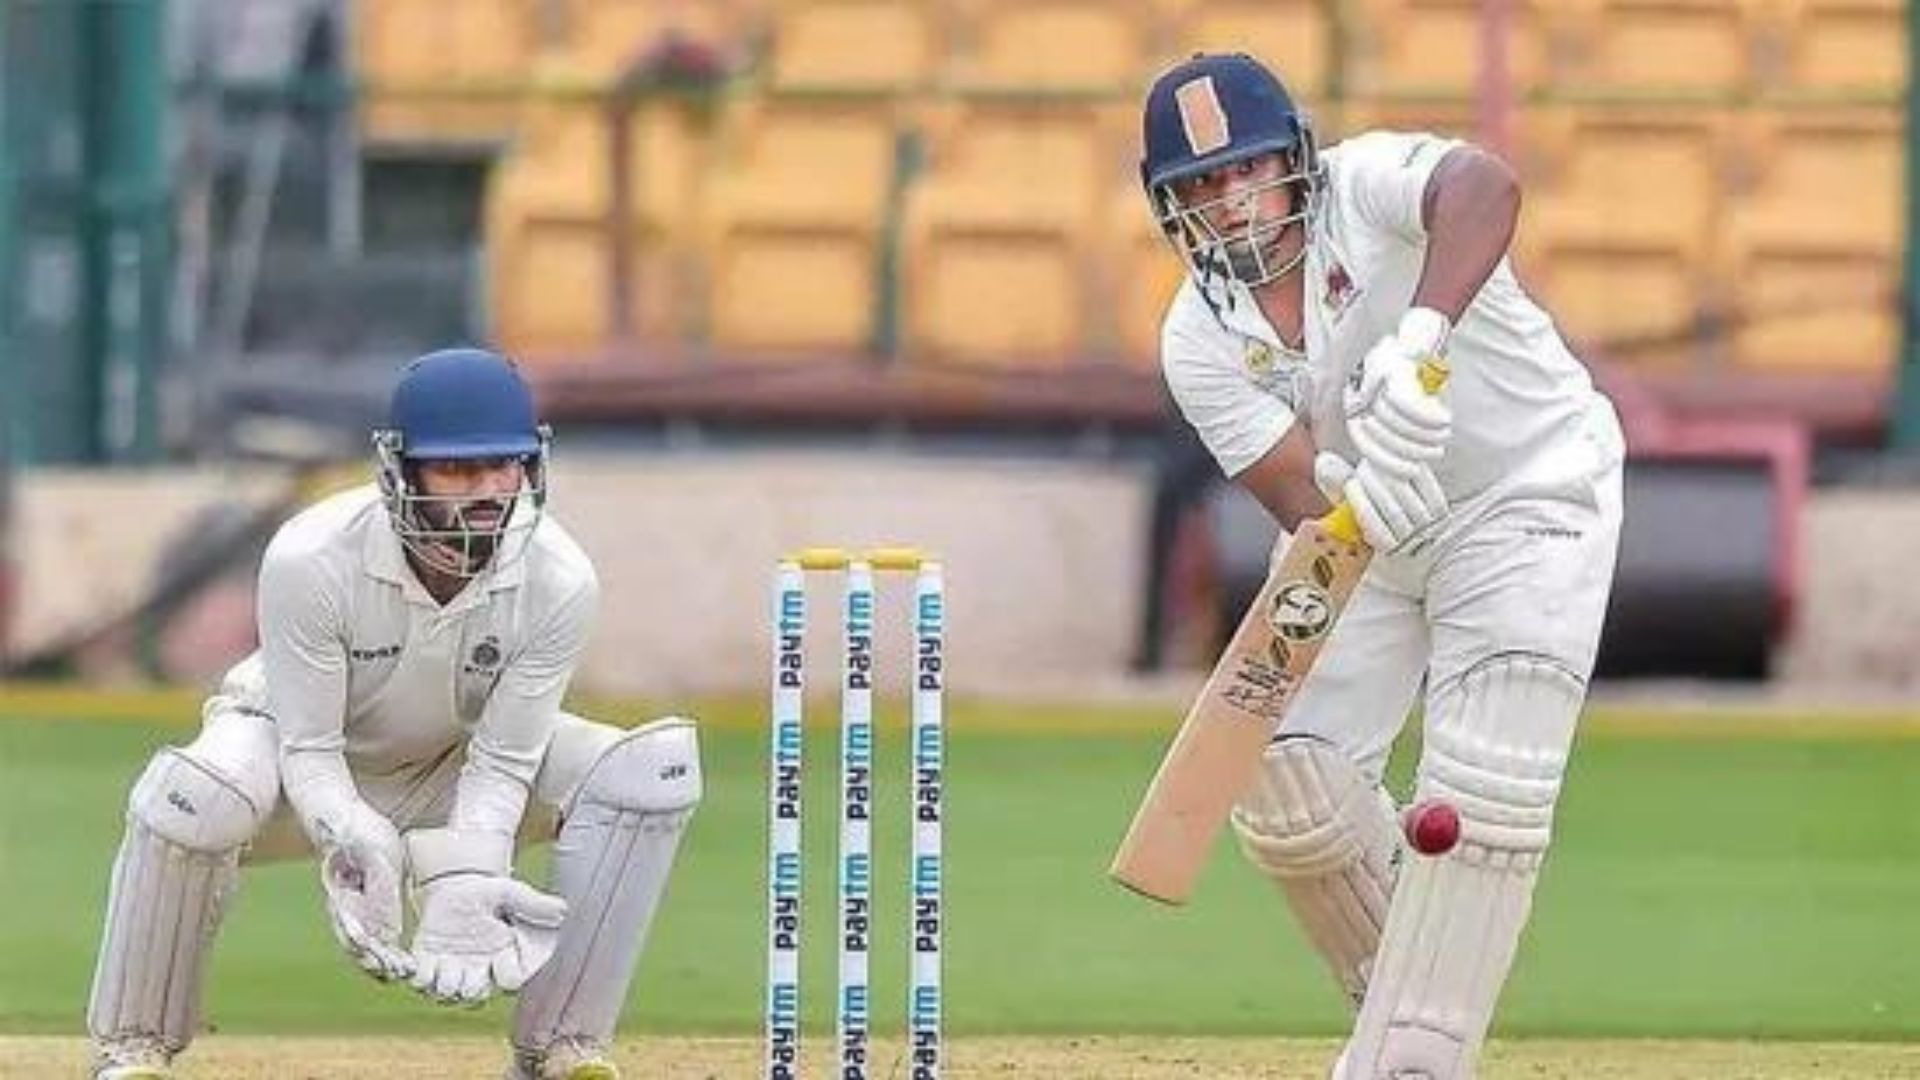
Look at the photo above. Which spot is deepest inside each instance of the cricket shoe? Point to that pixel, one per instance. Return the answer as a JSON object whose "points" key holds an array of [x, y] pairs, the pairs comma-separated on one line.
{"points": [[138, 1057], [566, 1058]]}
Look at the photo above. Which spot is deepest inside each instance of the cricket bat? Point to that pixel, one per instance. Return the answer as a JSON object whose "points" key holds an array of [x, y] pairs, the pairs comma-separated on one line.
{"points": [[1214, 755]]}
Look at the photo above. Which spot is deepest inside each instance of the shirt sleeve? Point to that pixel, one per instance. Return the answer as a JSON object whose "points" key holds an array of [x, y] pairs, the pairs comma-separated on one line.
{"points": [[510, 741], [303, 653], [1237, 420], [1383, 176]]}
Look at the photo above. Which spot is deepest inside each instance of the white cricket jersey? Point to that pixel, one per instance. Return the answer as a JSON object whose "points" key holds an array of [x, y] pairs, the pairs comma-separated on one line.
{"points": [[1515, 388], [366, 674]]}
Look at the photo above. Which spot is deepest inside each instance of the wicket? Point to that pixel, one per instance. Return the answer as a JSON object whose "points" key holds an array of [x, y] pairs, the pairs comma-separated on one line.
{"points": [[855, 858]]}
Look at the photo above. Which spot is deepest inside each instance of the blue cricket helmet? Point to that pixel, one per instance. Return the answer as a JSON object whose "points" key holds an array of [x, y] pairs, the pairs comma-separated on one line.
{"points": [[1214, 110], [463, 403]]}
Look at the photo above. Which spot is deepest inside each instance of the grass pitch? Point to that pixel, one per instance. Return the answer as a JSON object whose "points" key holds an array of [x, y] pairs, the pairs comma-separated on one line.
{"points": [[1735, 882]]}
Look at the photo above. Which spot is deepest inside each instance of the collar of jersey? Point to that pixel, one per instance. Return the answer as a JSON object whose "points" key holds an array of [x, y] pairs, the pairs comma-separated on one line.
{"points": [[1245, 318]]}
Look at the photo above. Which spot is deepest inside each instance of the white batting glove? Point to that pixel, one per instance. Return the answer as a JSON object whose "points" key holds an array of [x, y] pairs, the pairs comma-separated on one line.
{"points": [[478, 931], [1394, 422], [1395, 513], [362, 865]]}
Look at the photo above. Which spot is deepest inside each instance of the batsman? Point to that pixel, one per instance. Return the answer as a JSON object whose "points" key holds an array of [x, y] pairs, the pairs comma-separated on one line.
{"points": [[399, 721], [1321, 285]]}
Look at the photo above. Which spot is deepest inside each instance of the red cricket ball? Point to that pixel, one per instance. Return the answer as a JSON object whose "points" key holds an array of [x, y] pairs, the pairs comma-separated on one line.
{"points": [[1432, 827]]}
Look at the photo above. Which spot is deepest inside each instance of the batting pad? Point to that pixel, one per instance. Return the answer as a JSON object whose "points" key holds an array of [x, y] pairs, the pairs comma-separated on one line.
{"points": [[1496, 748], [1326, 837], [611, 863], [177, 865]]}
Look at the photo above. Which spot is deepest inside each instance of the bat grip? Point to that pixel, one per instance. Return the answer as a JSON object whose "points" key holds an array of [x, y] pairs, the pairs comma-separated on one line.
{"points": [[1340, 522]]}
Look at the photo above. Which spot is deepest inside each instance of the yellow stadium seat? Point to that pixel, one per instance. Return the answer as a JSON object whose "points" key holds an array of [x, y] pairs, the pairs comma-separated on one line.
{"points": [[1432, 47], [794, 220], [1051, 45], [1620, 209], [605, 37], [550, 282], [1838, 47], [1142, 274], [1293, 37], [1656, 48], [998, 237], [481, 48], [864, 44], [1813, 240]]}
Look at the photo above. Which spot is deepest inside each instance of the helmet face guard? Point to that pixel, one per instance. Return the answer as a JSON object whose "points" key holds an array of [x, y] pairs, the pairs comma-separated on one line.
{"points": [[1247, 254], [1208, 113], [452, 534], [462, 405]]}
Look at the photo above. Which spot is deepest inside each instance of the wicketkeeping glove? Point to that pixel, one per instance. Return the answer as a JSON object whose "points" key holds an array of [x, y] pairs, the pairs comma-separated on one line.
{"points": [[362, 865]]}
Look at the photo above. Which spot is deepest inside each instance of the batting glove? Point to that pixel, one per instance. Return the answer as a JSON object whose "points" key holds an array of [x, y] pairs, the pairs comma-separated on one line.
{"points": [[1394, 422], [1395, 513]]}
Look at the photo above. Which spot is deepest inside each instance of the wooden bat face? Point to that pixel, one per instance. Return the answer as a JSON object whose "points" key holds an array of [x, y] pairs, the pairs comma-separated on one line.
{"points": [[1218, 746]]}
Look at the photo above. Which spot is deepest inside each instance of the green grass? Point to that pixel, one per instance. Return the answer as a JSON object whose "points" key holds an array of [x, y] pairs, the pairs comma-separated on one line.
{"points": [[1706, 885]]}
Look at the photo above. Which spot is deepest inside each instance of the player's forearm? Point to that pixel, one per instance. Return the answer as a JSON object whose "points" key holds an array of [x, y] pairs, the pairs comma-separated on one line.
{"points": [[318, 784], [1282, 480], [1470, 208]]}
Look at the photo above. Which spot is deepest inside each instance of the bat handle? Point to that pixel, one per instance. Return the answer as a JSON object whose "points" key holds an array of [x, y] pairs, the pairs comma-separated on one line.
{"points": [[1340, 522]]}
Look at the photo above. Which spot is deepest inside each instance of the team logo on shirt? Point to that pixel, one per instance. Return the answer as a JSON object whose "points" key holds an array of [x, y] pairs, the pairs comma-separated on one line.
{"points": [[485, 656], [1259, 358], [1340, 291]]}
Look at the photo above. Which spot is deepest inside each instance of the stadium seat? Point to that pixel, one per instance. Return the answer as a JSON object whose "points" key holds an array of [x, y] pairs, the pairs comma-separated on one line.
{"points": [[999, 237], [550, 212], [1837, 47], [549, 280], [1431, 48], [1620, 210], [1657, 48], [1294, 37], [1142, 272], [479, 47], [604, 37], [1813, 239], [1047, 45], [793, 226], [859, 44]]}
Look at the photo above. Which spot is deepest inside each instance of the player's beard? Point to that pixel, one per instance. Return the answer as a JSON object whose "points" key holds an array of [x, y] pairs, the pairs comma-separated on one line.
{"points": [[464, 532]]}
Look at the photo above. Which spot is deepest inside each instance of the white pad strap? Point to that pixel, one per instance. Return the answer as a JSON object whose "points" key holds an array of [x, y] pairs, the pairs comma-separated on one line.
{"points": [[186, 826], [1496, 748], [611, 863], [1326, 837]]}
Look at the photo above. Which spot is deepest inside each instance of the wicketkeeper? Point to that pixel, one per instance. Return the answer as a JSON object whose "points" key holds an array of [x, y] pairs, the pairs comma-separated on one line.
{"points": [[416, 638]]}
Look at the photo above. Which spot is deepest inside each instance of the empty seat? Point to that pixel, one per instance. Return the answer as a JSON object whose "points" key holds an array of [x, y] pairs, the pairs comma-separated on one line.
{"points": [[1432, 47], [1000, 235], [1620, 211], [793, 225], [1837, 47], [605, 37], [1053, 45], [1813, 239], [462, 87], [1294, 37], [861, 44], [1657, 48]]}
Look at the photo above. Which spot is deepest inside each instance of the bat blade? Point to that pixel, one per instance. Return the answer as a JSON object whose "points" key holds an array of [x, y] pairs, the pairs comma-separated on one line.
{"points": [[1214, 754]]}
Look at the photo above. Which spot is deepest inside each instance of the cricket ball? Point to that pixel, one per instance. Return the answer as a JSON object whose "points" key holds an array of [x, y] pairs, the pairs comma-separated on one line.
{"points": [[1432, 827]]}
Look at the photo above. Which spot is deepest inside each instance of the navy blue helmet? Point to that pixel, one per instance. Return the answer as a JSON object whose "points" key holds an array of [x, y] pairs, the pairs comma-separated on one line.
{"points": [[1211, 111], [460, 405]]}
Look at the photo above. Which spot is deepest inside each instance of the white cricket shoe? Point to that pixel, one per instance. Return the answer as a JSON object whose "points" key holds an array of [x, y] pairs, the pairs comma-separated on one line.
{"points": [[137, 1057], [566, 1058]]}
